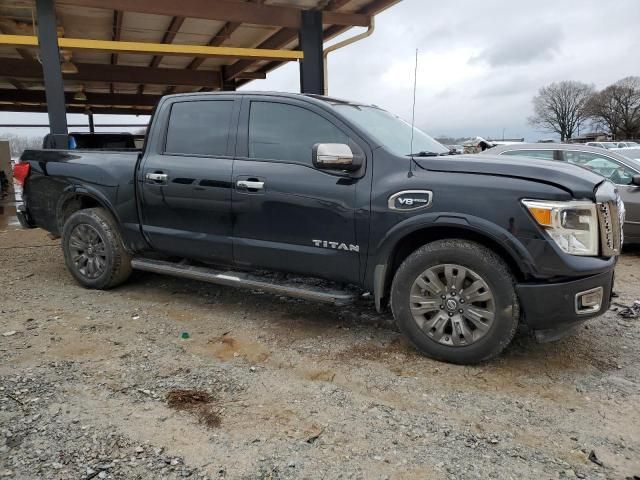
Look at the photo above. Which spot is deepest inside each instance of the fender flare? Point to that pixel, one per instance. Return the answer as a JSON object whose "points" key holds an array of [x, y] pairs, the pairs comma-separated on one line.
{"points": [[382, 254], [74, 190]]}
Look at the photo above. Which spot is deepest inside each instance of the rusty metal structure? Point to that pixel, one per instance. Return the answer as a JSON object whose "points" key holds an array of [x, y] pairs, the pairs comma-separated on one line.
{"points": [[121, 56]]}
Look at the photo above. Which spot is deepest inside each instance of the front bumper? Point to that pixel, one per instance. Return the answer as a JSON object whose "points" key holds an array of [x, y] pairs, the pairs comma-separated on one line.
{"points": [[550, 308]]}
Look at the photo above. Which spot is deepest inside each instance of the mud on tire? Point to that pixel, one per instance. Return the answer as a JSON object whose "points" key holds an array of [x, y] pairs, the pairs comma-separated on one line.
{"points": [[93, 249], [455, 300]]}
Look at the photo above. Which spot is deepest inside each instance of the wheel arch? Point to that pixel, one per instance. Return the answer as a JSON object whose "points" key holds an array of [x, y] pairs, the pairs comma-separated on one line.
{"points": [[76, 198], [399, 244]]}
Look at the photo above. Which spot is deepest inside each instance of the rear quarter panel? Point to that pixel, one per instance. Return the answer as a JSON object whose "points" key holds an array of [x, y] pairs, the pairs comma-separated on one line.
{"points": [[56, 175]]}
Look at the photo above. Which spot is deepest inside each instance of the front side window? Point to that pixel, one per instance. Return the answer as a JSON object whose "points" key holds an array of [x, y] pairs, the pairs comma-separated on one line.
{"points": [[580, 158], [610, 169], [199, 127], [542, 154], [278, 131]]}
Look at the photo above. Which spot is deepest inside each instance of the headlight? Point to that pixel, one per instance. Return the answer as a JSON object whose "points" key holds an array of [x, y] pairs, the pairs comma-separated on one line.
{"points": [[572, 225]]}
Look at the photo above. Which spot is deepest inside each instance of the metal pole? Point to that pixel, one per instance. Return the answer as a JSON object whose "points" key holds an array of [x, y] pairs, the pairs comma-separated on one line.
{"points": [[312, 65], [343, 43], [92, 127], [53, 84], [226, 86]]}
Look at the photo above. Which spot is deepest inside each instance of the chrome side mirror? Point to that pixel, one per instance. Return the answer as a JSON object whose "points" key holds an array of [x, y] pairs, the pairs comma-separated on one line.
{"points": [[334, 156]]}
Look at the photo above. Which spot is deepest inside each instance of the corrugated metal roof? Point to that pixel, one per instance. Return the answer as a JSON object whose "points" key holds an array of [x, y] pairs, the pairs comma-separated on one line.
{"points": [[17, 18]]}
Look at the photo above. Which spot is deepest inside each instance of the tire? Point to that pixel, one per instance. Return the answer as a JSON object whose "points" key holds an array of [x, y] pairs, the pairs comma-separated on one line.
{"points": [[478, 324], [93, 232]]}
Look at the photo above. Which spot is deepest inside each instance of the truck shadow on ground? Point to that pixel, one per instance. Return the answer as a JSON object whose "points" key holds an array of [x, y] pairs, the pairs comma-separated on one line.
{"points": [[373, 336]]}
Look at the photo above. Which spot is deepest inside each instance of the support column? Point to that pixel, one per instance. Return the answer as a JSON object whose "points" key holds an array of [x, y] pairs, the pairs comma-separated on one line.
{"points": [[92, 127], [53, 84], [226, 85], [312, 65]]}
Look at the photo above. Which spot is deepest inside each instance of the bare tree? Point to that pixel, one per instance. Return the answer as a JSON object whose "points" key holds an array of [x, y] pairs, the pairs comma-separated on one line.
{"points": [[603, 111], [617, 107], [560, 107], [626, 95]]}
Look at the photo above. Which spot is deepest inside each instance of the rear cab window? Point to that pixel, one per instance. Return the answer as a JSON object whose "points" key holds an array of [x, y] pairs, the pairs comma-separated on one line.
{"points": [[199, 128]]}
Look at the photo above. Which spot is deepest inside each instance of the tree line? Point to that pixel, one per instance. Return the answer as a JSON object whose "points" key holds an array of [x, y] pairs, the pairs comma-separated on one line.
{"points": [[565, 107]]}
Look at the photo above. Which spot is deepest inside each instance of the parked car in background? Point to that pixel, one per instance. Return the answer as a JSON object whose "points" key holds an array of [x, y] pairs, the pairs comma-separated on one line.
{"points": [[606, 145], [629, 152], [621, 166]]}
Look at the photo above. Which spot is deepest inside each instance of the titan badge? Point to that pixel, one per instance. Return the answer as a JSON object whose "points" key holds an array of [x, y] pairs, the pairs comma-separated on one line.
{"points": [[336, 245]]}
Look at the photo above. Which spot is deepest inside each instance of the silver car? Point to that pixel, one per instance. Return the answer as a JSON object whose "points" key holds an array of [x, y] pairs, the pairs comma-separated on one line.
{"points": [[619, 166], [606, 145]]}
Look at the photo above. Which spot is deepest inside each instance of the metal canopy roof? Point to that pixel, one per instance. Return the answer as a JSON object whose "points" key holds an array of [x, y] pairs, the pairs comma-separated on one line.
{"points": [[129, 78]]}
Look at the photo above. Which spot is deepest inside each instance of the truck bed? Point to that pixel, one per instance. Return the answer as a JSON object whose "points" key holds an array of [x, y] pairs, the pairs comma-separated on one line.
{"points": [[57, 174]]}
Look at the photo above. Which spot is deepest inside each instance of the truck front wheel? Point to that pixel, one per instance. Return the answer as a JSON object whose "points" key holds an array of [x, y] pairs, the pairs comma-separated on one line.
{"points": [[455, 300], [93, 249]]}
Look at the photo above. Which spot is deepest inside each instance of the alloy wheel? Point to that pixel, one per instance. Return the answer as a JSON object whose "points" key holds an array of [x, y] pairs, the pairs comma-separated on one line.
{"points": [[88, 251], [452, 304]]}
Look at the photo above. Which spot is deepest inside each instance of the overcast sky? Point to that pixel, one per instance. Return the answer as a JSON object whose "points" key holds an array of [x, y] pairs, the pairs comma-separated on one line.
{"points": [[479, 63]]}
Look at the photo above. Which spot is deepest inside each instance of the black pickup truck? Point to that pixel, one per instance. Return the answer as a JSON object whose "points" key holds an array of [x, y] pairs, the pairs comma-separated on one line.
{"points": [[232, 188]]}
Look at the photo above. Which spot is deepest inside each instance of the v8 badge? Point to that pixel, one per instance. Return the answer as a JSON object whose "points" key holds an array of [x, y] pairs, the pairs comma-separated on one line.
{"points": [[408, 200]]}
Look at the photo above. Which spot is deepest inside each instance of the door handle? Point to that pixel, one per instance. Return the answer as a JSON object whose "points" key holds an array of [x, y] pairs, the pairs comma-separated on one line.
{"points": [[157, 178], [250, 184]]}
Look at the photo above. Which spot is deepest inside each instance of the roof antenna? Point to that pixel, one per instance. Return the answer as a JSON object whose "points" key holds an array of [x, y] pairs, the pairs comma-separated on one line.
{"points": [[413, 114]]}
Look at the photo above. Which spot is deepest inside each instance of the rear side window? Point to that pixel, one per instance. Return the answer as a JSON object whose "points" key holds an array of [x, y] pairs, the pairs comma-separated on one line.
{"points": [[199, 128], [543, 154], [286, 132]]}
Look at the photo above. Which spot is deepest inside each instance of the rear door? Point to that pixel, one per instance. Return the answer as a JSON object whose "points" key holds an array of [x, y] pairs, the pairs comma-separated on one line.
{"points": [[288, 214], [185, 179]]}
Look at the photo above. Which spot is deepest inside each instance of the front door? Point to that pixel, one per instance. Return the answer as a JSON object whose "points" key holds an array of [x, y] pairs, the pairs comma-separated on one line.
{"points": [[186, 182], [288, 214]]}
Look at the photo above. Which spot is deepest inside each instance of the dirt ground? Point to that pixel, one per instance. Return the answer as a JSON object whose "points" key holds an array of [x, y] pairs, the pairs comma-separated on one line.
{"points": [[167, 378]]}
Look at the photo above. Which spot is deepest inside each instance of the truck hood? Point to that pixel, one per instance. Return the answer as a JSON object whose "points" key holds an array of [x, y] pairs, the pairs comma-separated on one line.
{"points": [[580, 182]]}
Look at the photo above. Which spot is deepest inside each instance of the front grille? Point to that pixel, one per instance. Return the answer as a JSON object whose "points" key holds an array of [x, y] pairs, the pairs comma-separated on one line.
{"points": [[611, 218]]}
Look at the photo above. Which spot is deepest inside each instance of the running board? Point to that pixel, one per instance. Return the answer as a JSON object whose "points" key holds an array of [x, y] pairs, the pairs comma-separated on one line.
{"points": [[235, 278]]}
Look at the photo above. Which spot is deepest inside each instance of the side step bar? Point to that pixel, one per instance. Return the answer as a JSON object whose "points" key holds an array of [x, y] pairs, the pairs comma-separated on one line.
{"points": [[234, 278]]}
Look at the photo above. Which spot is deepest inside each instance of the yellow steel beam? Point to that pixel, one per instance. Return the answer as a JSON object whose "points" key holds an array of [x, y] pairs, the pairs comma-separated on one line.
{"points": [[155, 48]]}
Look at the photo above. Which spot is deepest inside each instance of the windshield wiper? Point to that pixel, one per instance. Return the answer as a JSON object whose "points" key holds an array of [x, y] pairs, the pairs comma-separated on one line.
{"points": [[427, 154]]}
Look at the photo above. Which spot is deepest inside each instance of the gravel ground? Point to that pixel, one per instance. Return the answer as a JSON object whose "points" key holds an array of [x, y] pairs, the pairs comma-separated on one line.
{"points": [[104, 385]]}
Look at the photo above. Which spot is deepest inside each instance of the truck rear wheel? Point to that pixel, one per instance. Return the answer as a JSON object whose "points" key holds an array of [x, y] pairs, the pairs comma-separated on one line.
{"points": [[93, 249], [455, 300]]}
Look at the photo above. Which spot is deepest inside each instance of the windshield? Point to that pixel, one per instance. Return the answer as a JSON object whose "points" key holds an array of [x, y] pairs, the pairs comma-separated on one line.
{"points": [[390, 130]]}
